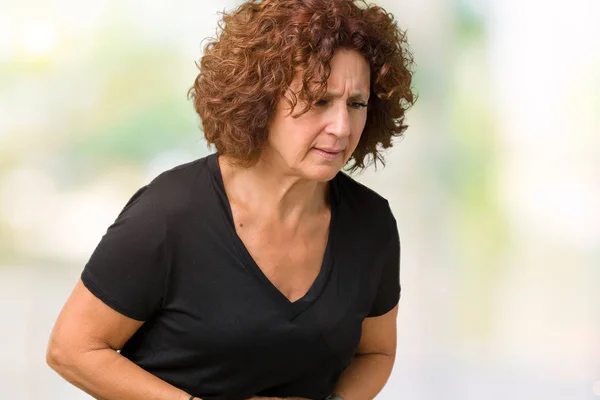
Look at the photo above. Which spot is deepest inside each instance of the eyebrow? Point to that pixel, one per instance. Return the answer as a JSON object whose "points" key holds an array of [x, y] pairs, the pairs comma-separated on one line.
{"points": [[353, 95]]}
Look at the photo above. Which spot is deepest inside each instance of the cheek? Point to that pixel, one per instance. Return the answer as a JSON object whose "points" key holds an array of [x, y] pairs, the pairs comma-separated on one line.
{"points": [[357, 128], [307, 130], [295, 138]]}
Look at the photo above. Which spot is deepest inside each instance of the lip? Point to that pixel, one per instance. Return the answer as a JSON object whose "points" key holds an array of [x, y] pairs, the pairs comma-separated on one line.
{"points": [[329, 154]]}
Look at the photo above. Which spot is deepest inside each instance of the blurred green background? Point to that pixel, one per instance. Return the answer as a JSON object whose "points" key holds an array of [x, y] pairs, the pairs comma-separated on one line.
{"points": [[495, 186]]}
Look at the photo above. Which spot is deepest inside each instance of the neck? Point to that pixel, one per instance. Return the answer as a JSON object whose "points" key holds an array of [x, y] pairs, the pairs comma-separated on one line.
{"points": [[271, 193]]}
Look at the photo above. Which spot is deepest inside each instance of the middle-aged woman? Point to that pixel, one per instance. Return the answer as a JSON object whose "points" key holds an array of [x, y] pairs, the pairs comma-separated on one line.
{"points": [[260, 270]]}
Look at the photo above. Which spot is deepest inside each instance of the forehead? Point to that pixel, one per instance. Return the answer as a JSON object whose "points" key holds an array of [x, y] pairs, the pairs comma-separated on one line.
{"points": [[349, 71]]}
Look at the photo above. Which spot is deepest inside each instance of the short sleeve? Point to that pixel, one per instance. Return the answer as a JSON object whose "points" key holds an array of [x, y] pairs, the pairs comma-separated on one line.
{"points": [[388, 293], [127, 270]]}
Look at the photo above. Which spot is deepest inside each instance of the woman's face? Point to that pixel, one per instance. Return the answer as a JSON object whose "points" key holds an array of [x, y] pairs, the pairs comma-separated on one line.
{"points": [[318, 144]]}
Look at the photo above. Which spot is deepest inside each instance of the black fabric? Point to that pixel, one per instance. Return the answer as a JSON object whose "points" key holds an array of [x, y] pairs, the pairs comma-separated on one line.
{"points": [[215, 326]]}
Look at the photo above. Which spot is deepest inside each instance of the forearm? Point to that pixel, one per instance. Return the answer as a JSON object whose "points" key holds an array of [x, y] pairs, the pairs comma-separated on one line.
{"points": [[106, 375], [364, 377]]}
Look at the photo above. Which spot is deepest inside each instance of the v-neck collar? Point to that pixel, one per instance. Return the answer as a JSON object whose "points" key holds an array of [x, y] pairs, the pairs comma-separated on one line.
{"points": [[292, 308]]}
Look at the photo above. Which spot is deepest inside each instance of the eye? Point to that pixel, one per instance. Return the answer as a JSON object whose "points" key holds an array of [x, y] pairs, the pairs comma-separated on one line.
{"points": [[321, 103], [358, 105]]}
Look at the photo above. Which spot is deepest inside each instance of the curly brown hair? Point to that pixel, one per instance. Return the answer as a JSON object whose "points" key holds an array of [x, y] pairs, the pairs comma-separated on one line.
{"points": [[262, 45]]}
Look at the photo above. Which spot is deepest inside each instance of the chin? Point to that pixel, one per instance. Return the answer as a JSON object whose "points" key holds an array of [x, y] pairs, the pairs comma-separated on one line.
{"points": [[322, 173]]}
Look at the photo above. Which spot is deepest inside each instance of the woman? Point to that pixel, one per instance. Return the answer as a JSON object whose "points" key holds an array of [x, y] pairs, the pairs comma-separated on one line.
{"points": [[260, 270]]}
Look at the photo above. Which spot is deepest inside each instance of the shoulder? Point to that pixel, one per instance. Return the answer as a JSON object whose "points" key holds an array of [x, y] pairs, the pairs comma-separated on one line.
{"points": [[180, 176], [360, 207], [360, 199], [173, 190]]}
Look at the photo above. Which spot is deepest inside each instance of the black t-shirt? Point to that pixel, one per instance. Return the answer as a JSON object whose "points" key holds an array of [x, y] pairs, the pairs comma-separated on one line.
{"points": [[215, 326]]}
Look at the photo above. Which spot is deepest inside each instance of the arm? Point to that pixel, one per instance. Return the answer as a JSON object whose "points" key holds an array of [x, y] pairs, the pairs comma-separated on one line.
{"points": [[83, 350], [372, 365]]}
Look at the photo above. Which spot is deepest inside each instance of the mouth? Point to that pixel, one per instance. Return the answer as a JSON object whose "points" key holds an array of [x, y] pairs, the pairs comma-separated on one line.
{"points": [[329, 154]]}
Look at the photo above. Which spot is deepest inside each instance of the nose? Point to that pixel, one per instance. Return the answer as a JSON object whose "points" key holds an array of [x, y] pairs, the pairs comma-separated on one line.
{"points": [[339, 124]]}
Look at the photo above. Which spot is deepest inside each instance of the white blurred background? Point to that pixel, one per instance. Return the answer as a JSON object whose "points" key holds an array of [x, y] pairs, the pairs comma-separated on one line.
{"points": [[495, 186]]}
